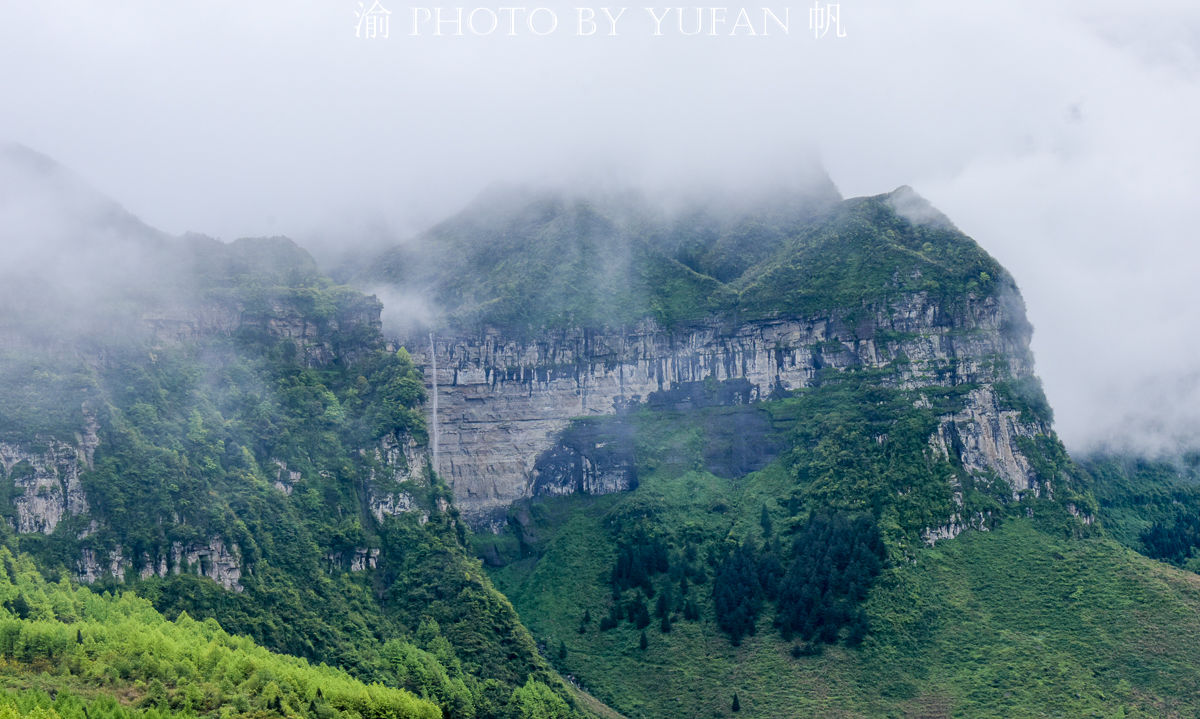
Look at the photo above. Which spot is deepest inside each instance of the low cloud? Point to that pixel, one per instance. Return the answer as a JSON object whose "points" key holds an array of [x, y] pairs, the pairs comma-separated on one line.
{"points": [[1060, 135]]}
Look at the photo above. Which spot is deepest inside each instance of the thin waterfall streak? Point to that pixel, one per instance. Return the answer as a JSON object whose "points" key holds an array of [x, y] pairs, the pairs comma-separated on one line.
{"points": [[434, 405]]}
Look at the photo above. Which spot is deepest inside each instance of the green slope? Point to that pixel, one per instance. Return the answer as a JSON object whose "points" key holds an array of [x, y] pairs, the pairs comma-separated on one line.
{"points": [[193, 427], [122, 658], [527, 262], [1011, 622], [1007, 623], [1035, 617]]}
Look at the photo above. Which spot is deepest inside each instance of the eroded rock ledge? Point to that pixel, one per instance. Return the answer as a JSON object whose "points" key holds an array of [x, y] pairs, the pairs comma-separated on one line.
{"points": [[504, 403]]}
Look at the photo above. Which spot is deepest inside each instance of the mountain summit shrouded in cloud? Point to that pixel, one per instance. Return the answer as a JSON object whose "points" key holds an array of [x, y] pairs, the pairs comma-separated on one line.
{"points": [[1061, 135]]}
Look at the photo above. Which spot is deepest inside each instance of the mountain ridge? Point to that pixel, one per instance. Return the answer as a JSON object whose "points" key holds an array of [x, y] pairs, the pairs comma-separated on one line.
{"points": [[779, 452], [229, 436]]}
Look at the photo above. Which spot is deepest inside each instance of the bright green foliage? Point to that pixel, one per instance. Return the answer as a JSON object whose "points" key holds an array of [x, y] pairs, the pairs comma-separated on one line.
{"points": [[34, 704], [75, 639], [535, 700]]}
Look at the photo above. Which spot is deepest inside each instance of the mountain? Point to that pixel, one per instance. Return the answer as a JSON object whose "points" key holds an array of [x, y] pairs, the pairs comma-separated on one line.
{"points": [[757, 452], [222, 430], [833, 285], [820, 476]]}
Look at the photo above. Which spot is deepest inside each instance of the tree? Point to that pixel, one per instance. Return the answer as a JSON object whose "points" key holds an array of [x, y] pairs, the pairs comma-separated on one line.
{"points": [[737, 592], [835, 560], [665, 626], [663, 605], [611, 621], [562, 650], [535, 700], [638, 614], [737, 705], [643, 642]]}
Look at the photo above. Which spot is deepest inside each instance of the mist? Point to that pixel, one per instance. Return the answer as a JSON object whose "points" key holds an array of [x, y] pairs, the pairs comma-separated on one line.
{"points": [[1060, 136]]}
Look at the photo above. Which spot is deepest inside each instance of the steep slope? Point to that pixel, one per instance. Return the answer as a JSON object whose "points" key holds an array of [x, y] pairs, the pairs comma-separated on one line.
{"points": [[530, 261], [223, 430], [1151, 505], [856, 285], [66, 640], [749, 487]]}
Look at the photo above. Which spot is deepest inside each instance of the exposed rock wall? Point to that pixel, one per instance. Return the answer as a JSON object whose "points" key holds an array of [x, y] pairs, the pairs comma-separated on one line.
{"points": [[400, 467], [45, 479], [358, 559], [215, 559], [984, 438], [504, 402]]}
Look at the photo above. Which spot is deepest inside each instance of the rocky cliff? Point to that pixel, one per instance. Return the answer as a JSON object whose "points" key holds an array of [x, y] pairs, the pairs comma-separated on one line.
{"points": [[226, 316], [504, 404], [45, 479]]}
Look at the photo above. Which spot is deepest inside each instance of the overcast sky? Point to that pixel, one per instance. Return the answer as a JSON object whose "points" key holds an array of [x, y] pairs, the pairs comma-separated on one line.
{"points": [[1063, 136]]}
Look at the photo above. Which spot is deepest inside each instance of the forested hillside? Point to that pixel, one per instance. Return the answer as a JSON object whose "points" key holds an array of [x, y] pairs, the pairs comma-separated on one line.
{"points": [[765, 455]]}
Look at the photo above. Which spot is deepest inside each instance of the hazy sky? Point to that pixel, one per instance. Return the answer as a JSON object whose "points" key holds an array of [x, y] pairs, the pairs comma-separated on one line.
{"points": [[1064, 136]]}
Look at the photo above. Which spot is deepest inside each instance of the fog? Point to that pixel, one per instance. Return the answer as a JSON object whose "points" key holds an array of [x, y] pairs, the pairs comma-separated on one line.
{"points": [[1060, 135]]}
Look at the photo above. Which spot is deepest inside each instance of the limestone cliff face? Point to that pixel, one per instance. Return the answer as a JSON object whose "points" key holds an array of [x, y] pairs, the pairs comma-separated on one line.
{"points": [[46, 480], [983, 436], [504, 403], [215, 559], [400, 467]]}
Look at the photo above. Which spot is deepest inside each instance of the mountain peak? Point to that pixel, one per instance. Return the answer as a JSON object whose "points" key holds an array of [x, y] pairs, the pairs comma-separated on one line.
{"points": [[905, 202]]}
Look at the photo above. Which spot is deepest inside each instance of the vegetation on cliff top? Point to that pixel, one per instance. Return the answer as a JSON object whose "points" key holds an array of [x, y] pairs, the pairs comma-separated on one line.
{"points": [[548, 262]]}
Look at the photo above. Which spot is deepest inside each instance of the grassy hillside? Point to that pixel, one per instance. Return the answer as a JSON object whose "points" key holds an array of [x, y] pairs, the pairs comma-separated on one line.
{"points": [[122, 658], [1034, 617], [1007, 623], [1011, 622]]}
